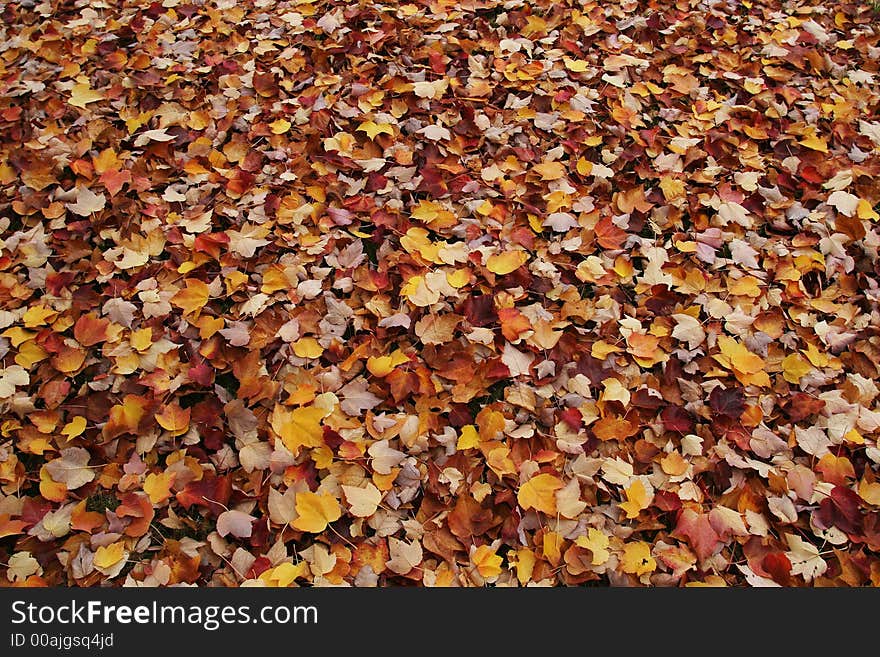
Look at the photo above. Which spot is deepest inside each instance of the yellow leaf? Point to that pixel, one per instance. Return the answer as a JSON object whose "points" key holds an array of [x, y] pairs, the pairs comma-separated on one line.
{"points": [[469, 437], [307, 348], [208, 326], [106, 160], [74, 428], [506, 262], [82, 94], [174, 419], [280, 126], [38, 315], [380, 366], [870, 492], [747, 286], [300, 427], [142, 339], [814, 142], [487, 562], [17, 335], [816, 357], [193, 297], [584, 166], [636, 499], [499, 461], [373, 129], [458, 278], [637, 559], [597, 543], [740, 358], [601, 350], [108, 556], [525, 565], [576, 65], [51, 489], [865, 211], [416, 290], [552, 548], [158, 486], [315, 512], [539, 493], [794, 367], [672, 188], [549, 170], [29, 353], [283, 574]]}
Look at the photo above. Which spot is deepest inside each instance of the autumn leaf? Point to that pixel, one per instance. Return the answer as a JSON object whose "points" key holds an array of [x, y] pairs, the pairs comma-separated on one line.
{"points": [[506, 262], [174, 419], [539, 493], [108, 556], [300, 427], [192, 297], [597, 543], [364, 501], [488, 563], [158, 486], [315, 512], [637, 499], [234, 522], [637, 559], [329, 296], [81, 95]]}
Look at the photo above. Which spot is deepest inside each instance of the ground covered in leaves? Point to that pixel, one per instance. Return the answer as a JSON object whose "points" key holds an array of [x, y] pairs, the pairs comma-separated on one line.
{"points": [[439, 293]]}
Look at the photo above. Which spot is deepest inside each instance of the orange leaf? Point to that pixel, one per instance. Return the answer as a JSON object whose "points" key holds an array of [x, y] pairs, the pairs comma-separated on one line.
{"points": [[539, 493], [90, 329], [191, 298], [174, 419]]}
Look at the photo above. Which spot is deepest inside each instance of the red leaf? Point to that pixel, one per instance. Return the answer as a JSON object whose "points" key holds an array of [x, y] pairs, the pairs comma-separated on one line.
{"points": [[695, 528], [841, 510], [778, 567], [730, 402], [676, 418], [800, 406]]}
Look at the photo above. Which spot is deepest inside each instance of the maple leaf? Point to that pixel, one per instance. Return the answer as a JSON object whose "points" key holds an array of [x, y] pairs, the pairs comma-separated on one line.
{"points": [[597, 543], [237, 523], [637, 499], [539, 493], [804, 558], [637, 559], [82, 94], [488, 563], [300, 427], [315, 512], [193, 297], [363, 502], [72, 468], [87, 202]]}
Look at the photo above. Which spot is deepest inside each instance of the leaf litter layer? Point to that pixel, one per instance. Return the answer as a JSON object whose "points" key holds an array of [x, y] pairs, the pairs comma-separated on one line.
{"points": [[439, 293]]}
